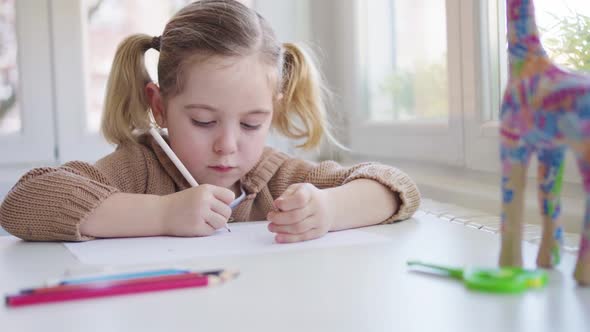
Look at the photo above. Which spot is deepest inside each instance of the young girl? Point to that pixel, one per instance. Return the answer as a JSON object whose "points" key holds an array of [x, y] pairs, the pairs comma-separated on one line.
{"points": [[224, 81]]}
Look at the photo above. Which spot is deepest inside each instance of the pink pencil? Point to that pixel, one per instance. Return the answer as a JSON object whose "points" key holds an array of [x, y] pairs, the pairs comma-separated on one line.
{"points": [[108, 284], [110, 290]]}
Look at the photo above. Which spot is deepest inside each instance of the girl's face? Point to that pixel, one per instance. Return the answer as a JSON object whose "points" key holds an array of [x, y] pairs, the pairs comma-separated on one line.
{"points": [[218, 125]]}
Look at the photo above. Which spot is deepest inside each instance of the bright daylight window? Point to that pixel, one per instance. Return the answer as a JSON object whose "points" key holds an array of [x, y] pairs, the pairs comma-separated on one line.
{"points": [[564, 27], [109, 22], [433, 72], [10, 120], [406, 60]]}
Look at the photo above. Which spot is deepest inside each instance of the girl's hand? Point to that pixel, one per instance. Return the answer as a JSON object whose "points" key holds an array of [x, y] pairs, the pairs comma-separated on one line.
{"points": [[197, 211], [303, 214]]}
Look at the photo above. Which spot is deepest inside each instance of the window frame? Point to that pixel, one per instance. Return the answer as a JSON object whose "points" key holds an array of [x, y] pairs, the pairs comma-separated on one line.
{"points": [[51, 58], [486, 73], [69, 27], [481, 88], [35, 142], [471, 140], [407, 140]]}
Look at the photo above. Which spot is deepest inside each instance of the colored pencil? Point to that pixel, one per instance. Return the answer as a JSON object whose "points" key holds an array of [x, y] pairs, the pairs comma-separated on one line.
{"points": [[187, 175], [107, 283], [114, 289], [128, 275]]}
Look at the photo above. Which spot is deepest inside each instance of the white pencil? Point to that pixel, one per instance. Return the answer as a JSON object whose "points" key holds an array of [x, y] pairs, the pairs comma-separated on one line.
{"points": [[154, 132]]}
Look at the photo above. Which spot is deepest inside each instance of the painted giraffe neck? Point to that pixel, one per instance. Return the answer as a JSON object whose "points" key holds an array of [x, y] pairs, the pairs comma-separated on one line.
{"points": [[523, 34]]}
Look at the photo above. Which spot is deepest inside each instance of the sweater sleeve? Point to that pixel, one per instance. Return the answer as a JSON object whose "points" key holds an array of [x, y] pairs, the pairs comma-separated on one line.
{"points": [[48, 204], [330, 174]]}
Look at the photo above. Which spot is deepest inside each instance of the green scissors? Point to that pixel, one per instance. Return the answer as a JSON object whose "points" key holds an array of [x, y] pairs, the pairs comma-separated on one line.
{"points": [[500, 280]]}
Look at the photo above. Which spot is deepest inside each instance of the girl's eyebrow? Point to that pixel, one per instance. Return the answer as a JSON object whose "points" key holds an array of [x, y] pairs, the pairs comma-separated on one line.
{"points": [[213, 109]]}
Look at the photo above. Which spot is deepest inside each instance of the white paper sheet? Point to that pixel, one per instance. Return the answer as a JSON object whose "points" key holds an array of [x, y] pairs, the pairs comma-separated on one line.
{"points": [[244, 239]]}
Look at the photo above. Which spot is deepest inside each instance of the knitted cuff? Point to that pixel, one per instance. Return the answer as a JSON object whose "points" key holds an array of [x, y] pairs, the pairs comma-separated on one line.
{"points": [[50, 207], [398, 182]]}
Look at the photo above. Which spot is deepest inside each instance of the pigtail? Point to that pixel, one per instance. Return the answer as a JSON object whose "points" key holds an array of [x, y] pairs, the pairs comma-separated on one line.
{"points": [[303, 96], [126, 105]]}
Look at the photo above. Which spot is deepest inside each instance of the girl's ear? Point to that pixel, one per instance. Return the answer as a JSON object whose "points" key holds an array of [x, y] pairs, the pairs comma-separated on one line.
{"points": [[152, 91]]}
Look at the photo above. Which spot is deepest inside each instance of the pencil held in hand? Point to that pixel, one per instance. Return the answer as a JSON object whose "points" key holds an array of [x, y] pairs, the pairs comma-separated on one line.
{"points": [[187, 175]]}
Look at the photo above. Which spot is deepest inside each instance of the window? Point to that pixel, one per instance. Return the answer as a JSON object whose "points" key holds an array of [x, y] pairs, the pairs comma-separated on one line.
{"points": [[407, 81], [418, 79], [430, 75], [10, 119], [26, 110], [55, 57], [86, 35], [409, 57], [564, 29]]}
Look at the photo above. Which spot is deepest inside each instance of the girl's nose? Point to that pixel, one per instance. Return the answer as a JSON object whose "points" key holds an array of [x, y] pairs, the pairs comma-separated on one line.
{"points": [[226, 143]]}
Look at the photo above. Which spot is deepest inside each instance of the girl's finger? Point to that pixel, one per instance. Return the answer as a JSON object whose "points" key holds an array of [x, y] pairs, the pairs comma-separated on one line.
{"points": [[221, 208], [223, 194], [215, 220], [204, 229], [296, 199], [311, 234], [291, 189], [297, 228], [280, 218]]}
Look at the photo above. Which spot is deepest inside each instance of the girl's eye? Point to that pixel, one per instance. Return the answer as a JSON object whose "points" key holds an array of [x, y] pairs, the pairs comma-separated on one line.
{"points": [[249, 126], [205, 124]]}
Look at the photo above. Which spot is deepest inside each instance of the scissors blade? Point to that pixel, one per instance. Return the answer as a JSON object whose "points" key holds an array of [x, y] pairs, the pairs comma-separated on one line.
{"points": [[439, 269]]}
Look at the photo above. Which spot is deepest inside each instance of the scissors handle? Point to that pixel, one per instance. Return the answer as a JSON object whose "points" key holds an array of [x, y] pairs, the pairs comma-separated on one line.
{"points": [[444, 270], [504, 280]]}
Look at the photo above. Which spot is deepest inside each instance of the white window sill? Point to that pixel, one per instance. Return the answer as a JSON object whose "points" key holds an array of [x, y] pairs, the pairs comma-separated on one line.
{"points": [[473, 198]]}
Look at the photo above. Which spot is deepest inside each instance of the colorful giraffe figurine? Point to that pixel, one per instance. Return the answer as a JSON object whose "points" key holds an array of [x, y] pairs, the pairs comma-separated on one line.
{"points": [[545, 109]]}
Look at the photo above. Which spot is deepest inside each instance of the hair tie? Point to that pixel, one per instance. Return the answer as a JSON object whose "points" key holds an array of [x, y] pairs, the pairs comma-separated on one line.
{"points": [[155, 43]]}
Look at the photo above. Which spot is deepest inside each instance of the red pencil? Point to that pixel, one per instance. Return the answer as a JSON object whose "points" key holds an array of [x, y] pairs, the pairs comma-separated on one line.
{"points": [[90, 291], [107, 284]]}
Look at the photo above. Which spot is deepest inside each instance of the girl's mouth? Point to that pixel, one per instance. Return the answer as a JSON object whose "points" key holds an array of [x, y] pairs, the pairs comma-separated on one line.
{"points": [[221, 169]]}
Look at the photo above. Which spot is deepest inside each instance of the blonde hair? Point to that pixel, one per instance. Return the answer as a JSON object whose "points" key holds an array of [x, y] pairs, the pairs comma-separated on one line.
{"points": [[204, 29]]}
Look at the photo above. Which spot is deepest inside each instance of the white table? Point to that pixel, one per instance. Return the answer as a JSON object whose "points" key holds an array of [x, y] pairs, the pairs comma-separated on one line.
{"points": [[358, 288]]}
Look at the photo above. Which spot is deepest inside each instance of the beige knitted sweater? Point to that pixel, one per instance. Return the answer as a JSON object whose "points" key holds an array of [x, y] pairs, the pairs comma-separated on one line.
{"points": [[48, 204]]}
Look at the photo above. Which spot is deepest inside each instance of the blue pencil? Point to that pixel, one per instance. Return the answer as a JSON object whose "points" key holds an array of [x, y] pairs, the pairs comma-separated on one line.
{"points": [[131, 275]]}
